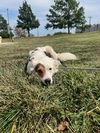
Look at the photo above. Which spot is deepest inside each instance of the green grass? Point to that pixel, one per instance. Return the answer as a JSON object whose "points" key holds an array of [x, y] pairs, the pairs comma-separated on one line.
{"points": [[28, 107]]}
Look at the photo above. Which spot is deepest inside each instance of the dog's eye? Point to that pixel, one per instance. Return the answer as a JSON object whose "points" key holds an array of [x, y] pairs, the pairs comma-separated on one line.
{"points": [[39, 71], [50, 68]]}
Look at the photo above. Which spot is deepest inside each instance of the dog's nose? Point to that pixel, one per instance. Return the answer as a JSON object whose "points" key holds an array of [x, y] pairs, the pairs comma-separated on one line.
{"points": [[47, 81]]}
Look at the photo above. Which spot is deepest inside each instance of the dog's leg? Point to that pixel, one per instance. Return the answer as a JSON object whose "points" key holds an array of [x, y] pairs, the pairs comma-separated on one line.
{"points": [[66, 56], [50, 52], [59, 56]]}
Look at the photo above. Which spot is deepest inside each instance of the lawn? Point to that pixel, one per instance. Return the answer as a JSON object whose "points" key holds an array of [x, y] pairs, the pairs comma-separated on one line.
{"points": [[28, 107]]}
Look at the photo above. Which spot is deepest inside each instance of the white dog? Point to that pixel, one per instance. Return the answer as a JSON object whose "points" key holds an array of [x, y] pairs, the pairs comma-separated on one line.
{"points": [[45, 61]]}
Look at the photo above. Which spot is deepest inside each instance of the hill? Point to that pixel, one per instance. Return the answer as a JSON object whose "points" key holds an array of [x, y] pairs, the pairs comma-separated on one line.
{"points": [[28, 107]]}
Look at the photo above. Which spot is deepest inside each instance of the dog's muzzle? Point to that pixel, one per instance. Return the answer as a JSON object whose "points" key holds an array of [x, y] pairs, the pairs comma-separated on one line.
{"points": [[47, 81]]}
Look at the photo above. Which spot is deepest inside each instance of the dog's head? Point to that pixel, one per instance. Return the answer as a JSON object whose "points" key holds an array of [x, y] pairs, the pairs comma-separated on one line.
{"points": [[45, 69]]}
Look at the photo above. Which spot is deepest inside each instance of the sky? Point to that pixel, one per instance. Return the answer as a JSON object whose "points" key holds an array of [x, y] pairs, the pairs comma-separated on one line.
{"points": [[41, 7]]}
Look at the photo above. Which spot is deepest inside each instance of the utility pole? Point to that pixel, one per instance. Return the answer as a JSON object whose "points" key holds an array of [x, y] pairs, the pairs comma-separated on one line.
{"points": [[8, 20], [37, 32], [90, 22]]}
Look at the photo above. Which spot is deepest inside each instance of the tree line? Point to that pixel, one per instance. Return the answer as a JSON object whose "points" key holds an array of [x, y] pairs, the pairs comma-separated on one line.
{"points": [[64, 14]]}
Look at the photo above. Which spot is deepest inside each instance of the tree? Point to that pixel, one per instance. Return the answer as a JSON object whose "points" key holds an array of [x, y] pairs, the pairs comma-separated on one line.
{"points": [[26, 19], [19, 32], [3, 24], [80, 19], [65, 14], [4, 28]]}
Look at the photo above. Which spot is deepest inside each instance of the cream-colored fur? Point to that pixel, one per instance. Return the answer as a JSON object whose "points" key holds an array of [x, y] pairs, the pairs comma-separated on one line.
{"points": [[60, 56], [49, 59]]}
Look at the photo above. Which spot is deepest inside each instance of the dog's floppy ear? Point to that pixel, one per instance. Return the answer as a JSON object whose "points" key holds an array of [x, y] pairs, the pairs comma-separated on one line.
{"points": [[25, 68], [40, 69], [37, 67], [29, 68]]}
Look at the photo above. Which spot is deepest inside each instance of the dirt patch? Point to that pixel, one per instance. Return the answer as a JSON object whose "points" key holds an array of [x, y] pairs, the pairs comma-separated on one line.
{"points": [[7, 43]]}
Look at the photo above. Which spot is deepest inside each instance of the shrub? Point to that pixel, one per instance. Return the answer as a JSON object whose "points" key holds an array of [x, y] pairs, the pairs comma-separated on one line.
{"points": [[48, 34], [59, 33], [19, 32], [5, 34]]}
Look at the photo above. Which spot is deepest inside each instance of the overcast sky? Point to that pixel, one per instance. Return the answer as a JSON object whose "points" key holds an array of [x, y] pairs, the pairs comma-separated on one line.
{"points": [[41, 7]]}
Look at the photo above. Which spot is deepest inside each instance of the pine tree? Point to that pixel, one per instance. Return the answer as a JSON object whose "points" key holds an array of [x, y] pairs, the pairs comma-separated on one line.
{"points": [[4, 28], [65, 14], [26, 19], [3, 24]]}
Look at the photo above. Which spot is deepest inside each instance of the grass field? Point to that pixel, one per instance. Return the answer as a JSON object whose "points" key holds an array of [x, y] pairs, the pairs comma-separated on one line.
{"points": [[28, 107]]}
